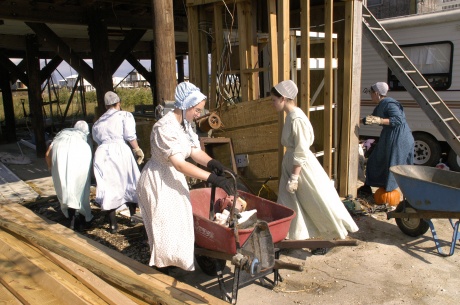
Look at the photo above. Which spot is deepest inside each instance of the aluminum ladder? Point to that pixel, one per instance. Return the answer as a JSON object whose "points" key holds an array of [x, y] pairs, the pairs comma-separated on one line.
{"points": [[414, 82]]}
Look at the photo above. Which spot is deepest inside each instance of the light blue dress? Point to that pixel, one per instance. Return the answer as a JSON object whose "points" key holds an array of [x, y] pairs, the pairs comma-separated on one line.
{"points": [[115, 168], [319, 210], [71, 165], [395, 146]]}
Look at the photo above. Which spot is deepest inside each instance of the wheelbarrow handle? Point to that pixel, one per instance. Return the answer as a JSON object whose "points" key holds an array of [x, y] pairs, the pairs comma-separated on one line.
{"points": [[213, 196]]}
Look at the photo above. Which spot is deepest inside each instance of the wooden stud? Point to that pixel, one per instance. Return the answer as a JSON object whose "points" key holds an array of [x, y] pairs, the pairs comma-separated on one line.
{"points": [[304, 100], [328, 87], [8, 107]]}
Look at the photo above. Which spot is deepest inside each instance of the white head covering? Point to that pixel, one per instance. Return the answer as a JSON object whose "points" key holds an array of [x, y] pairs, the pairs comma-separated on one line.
{"points": [[381, 88], [82, 126], [111, 98], [187, 95], [288, 89]]}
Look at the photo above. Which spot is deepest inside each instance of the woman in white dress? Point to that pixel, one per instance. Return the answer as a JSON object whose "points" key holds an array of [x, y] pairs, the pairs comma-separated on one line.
{"points": [[115, 168], [163, 192], [304, 185], [69, 159]]}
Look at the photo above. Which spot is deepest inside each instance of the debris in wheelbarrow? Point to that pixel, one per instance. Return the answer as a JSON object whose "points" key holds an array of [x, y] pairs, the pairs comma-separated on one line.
{"points": [[254, 250], [429, 193]]}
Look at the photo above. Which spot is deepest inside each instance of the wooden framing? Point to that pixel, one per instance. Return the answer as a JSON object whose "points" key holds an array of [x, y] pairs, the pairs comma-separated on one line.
{"points": [[251, 124]]}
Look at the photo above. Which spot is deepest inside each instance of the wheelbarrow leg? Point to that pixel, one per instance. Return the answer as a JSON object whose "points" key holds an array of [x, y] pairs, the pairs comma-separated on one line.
{"points": [[236, 282], [455, 237], [276, 274], [220, 278]]}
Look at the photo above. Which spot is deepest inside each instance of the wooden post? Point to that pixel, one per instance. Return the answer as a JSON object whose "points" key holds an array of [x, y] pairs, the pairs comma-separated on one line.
{"points": [[34, 90], [99, 42], [8, 108], [217, 50], [328, 88], [355, 98], [273, 42], [304, 100], [164, 50], [193, 46]]}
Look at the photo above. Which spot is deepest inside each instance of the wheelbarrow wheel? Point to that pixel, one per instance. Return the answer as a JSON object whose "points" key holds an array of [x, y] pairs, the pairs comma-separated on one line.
{"points": [[410, 226], [210, 265]]}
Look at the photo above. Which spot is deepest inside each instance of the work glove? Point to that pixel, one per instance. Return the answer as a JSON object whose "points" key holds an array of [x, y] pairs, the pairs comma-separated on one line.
{"points": [[139, 154], [292, 184], [372, 120], [227, 185], [218, 168]]}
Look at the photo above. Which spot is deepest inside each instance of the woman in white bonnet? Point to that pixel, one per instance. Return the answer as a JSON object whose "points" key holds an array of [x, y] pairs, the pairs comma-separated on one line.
{"points": [[304, 185], [163, 192], [396, 143], [69, 159], [115, 168]]}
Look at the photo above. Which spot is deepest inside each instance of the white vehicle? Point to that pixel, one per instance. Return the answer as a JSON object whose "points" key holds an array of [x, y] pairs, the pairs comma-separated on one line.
{"points": [[432, 42]]}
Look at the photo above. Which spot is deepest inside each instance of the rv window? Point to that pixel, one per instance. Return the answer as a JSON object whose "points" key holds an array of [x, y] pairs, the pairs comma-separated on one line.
{"points": [[433, 60]]}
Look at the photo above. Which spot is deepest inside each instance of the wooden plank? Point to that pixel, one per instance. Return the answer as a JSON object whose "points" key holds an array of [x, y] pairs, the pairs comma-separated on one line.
{"points": [[6, 297], [47, 276], [355, 100], [243, 114], [254, 139], [261, 166], [117, 261], [305, 57], [20, 283], [344, 145], [273, 32], [242, 11], [328, 87]]}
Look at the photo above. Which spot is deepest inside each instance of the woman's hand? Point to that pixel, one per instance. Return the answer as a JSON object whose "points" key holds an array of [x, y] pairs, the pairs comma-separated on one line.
{"points": [[293, 184]]}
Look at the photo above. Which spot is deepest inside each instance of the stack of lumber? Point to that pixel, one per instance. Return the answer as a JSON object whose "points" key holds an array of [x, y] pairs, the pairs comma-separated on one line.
{"points": [[42, 262]]}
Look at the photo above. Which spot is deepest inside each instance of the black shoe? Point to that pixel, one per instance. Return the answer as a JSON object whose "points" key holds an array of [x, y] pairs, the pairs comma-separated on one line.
{"points": [[113, 229], [319, 251], [365, 190]]}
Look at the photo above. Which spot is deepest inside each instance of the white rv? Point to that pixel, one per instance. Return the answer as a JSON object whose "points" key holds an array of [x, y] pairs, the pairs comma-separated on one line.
{"points": [[432, 43]]}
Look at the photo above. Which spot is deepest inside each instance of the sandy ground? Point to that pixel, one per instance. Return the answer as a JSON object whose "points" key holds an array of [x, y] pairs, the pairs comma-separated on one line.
{"points": [[386, 267]]}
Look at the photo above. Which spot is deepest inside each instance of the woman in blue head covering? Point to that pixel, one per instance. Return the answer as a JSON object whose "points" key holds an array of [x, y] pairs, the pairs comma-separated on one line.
{"points": [[69, 159], [162, 190]]}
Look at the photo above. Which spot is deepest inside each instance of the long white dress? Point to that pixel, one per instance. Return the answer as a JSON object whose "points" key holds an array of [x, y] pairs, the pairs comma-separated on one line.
{"points": [[115, 168], [71, 165], [164, 197], [320, 212]]}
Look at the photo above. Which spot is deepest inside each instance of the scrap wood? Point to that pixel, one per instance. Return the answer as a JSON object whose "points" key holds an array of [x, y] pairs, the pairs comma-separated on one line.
{"points": [[94, 254]]}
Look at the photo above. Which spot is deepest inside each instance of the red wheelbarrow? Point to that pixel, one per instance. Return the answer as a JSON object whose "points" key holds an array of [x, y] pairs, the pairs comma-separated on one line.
{"points": [[254, 250]]}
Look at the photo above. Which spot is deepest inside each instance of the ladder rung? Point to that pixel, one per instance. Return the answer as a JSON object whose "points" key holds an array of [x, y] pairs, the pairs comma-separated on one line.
{"points": [[448, 119], [375, 29], [421, 87], [387, 42], [410, 71], [366, 15], [398, 57], [435, 103]]}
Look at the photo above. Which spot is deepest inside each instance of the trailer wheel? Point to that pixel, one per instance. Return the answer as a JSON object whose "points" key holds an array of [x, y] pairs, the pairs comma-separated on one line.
{"points": [[210, 265], [453, 160], [410, 226], [427, 150]]}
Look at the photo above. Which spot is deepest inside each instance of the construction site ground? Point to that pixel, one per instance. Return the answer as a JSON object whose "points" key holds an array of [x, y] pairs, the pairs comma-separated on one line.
{"points": [[386, 267]]}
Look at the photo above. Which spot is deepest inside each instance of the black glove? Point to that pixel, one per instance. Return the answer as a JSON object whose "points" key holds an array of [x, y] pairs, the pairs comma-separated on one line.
{"points": [[216, 167], [227, 185]]}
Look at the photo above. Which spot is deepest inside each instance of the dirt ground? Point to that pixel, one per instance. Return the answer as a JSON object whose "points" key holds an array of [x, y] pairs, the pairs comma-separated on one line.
{"points": [[386, 267]]}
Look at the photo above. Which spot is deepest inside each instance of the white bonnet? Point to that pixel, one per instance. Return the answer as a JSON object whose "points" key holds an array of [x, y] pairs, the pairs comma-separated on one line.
{"points": [[111, 98], [381, 88], [82, 126], [187, 95], [288, 89]]}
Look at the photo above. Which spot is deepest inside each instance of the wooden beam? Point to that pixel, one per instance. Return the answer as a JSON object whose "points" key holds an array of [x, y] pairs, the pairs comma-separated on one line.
{"points": [[328, 87], [102, 76], [139, 67], [193, 45], [52, 65], [305, 57], [34, 91], [15, 71], [125, 47], [243, 10], [204, 19], [273, 39], [47, 36], [8, 107], [217, 54], [355, 99], [164, 50]]}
